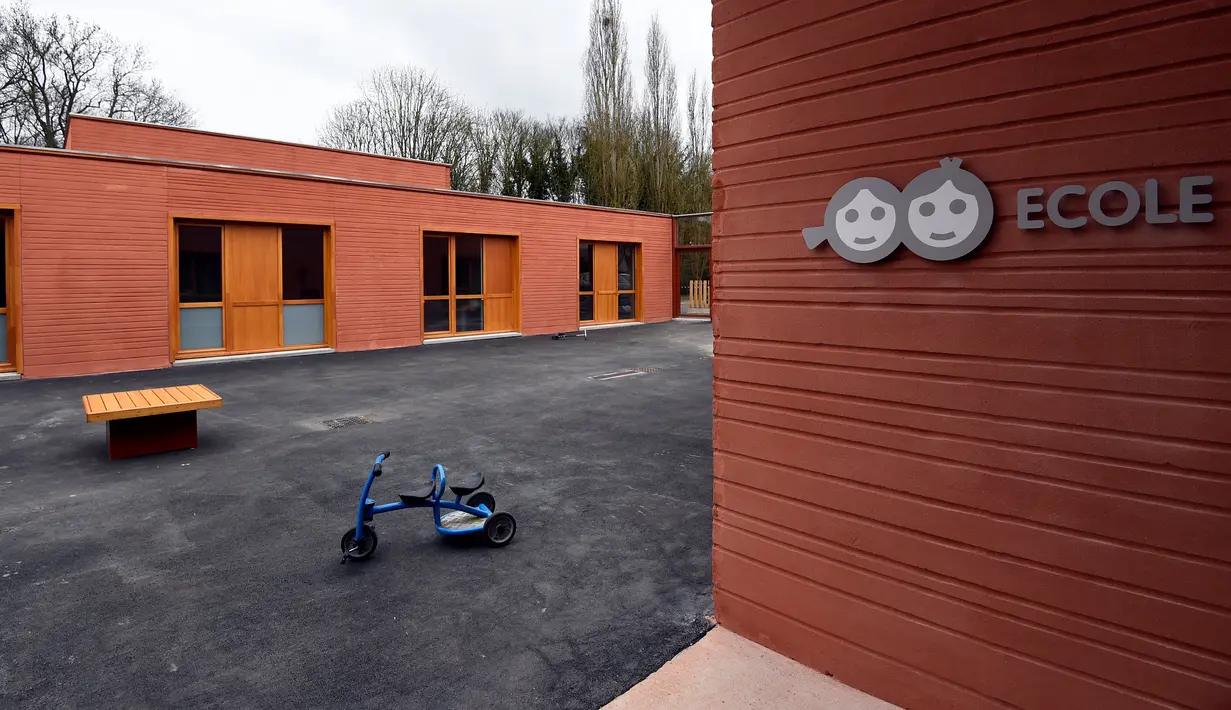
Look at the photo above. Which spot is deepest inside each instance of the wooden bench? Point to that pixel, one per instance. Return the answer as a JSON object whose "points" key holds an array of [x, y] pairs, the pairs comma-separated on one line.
{"points": [[150, 421]]}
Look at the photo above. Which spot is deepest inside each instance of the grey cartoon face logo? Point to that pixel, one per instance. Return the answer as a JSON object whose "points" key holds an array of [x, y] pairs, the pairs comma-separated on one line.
{"points": [[949, 210], [863, 222], [943, 214]]}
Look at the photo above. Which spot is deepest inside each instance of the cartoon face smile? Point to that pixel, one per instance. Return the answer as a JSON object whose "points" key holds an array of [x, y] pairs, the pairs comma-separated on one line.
{"points": [[944, 217], [861, 221], [866, 222]]}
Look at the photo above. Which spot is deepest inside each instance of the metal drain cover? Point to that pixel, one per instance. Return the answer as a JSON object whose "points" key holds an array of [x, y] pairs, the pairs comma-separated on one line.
{"points": [[344, 422]]}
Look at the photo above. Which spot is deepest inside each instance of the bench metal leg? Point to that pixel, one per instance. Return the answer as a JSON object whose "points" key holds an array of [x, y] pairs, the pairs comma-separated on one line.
{"points": [[151, 435]]}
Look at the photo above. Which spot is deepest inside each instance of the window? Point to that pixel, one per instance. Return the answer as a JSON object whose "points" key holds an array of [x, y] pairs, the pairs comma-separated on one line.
{"points": [[586, 260], [200, 260], [303, 263], [4, 291], [200, 281], [585, 283], [303, 286], [468, 262], [246, 287], [627, 265], [607, 282], [468, 284], [4, 270], [436, 266], [628, 258]]}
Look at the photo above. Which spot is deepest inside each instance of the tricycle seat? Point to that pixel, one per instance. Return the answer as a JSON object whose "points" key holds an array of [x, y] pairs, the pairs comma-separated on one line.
{"points": [[419, 496], [464, 489]]}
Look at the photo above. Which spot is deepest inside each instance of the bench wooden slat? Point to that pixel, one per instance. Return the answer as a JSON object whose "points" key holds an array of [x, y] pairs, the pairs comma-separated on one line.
{"points": [[175, 395], [193, 394], [112, 404], [202, 392], [142, 403], [93, 404]]}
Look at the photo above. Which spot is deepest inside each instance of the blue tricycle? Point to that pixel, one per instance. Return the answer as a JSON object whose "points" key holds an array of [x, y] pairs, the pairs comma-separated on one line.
{"points": [[477, 515]]}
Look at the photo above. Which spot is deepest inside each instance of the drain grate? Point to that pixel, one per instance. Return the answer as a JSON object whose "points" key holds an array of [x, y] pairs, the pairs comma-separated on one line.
{"points": [[344, 422], [647, 369]]}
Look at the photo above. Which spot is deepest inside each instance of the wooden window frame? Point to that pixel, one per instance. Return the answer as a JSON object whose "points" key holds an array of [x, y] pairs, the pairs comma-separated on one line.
{"points": [[638, 281], [592, 293], [452, 297], [676, 284], [329, 300], [10, 261]]}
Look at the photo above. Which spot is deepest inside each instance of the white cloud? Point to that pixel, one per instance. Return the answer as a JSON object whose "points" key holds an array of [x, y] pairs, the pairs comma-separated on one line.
{"points": [[272, 68]]}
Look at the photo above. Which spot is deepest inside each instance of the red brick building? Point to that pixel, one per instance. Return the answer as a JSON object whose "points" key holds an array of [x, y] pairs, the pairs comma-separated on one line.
{"points": [[140, 246]]}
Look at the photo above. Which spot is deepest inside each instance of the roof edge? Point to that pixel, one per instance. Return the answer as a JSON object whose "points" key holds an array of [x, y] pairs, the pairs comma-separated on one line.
{"points": [[269, 172], [235, 136]]}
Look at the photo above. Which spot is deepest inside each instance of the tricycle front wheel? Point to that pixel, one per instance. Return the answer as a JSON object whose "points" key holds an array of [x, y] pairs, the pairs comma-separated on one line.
{"points": [[359, 549], [499, 529]]}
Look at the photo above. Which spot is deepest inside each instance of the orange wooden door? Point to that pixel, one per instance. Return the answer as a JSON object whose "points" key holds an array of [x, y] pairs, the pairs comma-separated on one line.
{"points": [[499, 284], [253, 283], [606, 283]]}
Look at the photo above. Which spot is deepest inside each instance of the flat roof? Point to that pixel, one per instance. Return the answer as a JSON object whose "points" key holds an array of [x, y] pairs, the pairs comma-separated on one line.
{"points": [[268, 172], [233, 136]]}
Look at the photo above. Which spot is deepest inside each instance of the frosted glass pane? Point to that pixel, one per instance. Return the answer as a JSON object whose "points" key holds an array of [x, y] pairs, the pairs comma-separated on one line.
{"points": [[4, 334], [303, 324], [200, 328]]}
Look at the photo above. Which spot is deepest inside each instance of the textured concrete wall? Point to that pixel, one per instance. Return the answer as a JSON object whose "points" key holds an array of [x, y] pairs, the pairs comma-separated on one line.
{"points": [[1002, 481]]}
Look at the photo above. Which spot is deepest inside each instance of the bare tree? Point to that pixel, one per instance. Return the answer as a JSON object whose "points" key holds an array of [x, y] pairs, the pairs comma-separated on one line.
{"points": [[698, 164], [52, 68], [485, 147], [610, 163], [408, 113], [659, 133]]}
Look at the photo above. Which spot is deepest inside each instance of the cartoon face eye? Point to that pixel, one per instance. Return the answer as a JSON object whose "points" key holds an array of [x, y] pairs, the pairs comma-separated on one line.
{"points": [[866, 222], [944, 217]]}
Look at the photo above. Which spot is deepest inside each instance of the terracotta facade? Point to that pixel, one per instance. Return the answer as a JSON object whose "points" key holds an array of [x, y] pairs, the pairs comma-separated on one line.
{"points": [[1001, 481], [95, 236]]}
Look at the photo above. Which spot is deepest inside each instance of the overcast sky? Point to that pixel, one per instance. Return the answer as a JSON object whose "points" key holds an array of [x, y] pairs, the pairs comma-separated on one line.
{"points": [[272, 68]]}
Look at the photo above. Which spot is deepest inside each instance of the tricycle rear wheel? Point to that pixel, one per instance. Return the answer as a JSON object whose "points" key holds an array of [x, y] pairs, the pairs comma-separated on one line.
{"points": [[359, 549], [482, 497]]}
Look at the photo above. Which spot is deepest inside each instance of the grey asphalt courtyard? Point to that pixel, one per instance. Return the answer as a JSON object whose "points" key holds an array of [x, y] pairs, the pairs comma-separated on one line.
{"points": [[211, 579]]}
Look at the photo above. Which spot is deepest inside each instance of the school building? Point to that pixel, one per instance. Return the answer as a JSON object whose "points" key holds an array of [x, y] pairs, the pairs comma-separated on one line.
{"points": [[140, 246], [972, 435]]}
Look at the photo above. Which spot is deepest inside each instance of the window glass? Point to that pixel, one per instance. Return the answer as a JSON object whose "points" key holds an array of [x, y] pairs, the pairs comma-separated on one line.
{"points": [[693, 231], [469, 315], [303, 324], [200, 328], [586, 308], [586, 260], [200, 264], [436, 268], [628, 306], [436, 316], [303, 263], [628, 258], [4, 289], [468, 265]]}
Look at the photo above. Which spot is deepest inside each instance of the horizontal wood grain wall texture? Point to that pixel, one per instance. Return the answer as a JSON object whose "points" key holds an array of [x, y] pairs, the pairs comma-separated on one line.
{"points": [[101, 135], [95, 252], [1001, 482]]}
